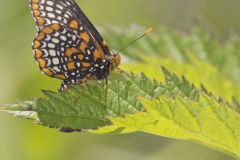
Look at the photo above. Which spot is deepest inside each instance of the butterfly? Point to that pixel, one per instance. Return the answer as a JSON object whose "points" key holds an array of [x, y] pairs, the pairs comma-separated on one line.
{"points": [[67, 45]]}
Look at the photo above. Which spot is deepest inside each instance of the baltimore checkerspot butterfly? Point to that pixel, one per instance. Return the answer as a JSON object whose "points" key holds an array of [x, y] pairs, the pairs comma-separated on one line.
{"points": [[68, 46]]}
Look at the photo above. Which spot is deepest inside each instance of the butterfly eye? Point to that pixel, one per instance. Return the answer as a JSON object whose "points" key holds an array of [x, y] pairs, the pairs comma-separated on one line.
{"points": [[117, 59]]}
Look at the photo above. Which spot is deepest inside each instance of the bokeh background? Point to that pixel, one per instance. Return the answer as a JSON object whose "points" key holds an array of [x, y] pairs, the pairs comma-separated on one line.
{"points": [[20, 79]]}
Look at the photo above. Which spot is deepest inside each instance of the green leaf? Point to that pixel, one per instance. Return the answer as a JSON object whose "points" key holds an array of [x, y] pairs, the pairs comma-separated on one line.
{"points": [[74, 110], [199, 73], [87, 106], [205, 121]]}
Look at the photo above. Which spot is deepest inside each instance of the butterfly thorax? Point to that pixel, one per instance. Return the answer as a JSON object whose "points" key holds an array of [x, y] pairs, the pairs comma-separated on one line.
{"points": [[102, 68]]}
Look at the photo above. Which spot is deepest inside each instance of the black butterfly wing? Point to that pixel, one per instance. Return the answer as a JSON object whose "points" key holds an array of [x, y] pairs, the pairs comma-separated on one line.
{"points": [[67, 45], [69, 14]]}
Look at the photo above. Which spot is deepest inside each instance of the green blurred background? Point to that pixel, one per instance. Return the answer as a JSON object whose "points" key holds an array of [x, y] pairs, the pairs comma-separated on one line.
{"points": [[21, 79]]}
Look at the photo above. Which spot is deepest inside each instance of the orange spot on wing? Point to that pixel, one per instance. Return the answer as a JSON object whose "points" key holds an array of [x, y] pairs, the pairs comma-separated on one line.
{"points": [[35, 6], [80, 57], [74, 24], [55, 27], [47, 30], [38, 53], [97, 55], [47, 71], [83, 46], [40, 36], [42, 63], [60, 76], [100, 50], [36, 13], [86, 64], [70, 51], [85, 36], [40, 21], [84, 69], [104, 43], [36, 45], [71, 65]]}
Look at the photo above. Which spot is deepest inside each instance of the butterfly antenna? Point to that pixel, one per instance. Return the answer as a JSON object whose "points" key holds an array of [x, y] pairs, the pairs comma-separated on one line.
{"points": [[147, 31]]}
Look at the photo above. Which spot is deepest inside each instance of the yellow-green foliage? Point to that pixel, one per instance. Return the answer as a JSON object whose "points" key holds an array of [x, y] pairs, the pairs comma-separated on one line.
{"points": [[205, 121]]}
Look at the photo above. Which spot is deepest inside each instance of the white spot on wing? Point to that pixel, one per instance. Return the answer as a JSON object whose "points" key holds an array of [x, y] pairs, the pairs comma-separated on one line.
{"points": [[64, 20], [50, 9], [47, 38], [68, 13], [74, 38], [56, 69], [55, 40], [59, 18], [55, 61], [50, 3], [48, 62], [43, 13], [59, 6], [88, 51], [44, 44], [78, 64], [66, 16], [63, 38], [51, 45], [52, 53], [68, 3], [41, 7], [58, 11], [56, 34], [51, 15]]}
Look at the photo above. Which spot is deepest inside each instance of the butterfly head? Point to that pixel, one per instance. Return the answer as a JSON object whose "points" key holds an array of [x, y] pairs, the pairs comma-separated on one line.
{"points": [[115, 61]]}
